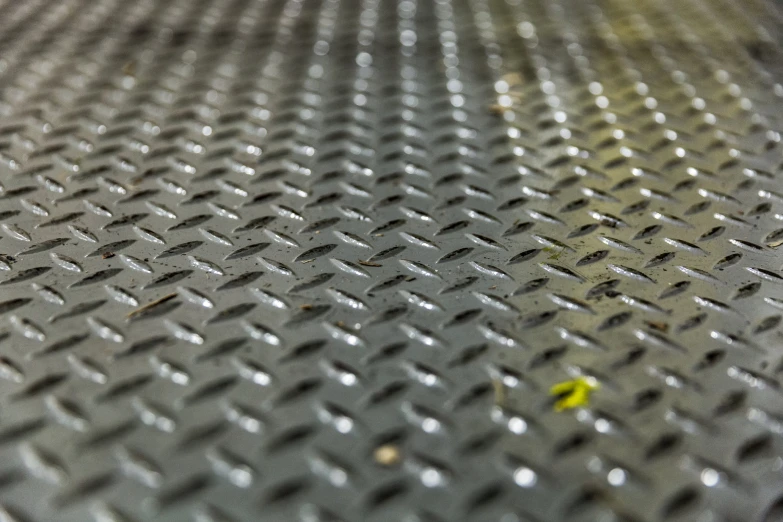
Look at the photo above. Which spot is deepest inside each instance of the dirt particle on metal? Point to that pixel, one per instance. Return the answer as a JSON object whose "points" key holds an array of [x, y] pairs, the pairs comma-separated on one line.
{"points": [[658, 325], [500, 392], [387, 455]]}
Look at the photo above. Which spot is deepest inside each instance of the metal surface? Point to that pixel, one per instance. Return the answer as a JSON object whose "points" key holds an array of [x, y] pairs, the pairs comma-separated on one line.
{"points": [[283, 260]]}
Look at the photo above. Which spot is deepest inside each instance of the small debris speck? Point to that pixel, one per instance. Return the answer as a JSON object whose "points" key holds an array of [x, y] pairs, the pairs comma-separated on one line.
{"points": [[658, 325], [387, 455], [573, 394]]}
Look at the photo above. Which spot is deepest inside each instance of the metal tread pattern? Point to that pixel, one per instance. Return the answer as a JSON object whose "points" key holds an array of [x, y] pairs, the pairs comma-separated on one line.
{"points": [[324, 260]]}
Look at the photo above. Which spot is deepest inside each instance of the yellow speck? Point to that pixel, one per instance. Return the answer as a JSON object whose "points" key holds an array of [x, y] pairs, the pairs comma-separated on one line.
{"points": [[387, 455], [573, 394]]}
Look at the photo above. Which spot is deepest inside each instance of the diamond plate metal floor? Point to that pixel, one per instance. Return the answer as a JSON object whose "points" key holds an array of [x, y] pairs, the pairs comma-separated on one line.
{"points": [[323, 260]]}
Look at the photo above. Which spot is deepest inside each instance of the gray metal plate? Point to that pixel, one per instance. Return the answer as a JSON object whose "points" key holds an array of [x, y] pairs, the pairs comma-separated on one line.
{"points": [[324, 260]]}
